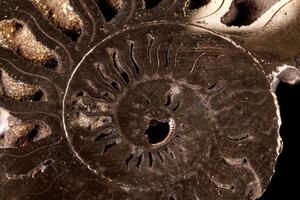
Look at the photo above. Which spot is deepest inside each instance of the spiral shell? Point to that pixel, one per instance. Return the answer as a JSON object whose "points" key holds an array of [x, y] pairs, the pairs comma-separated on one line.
{"points": [[131, 100]]}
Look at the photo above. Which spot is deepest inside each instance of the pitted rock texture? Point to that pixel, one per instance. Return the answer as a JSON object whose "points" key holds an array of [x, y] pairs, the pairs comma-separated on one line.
{"points": [[245, 12]]}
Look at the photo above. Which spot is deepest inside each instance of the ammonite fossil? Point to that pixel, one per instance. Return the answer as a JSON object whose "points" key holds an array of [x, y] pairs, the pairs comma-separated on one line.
{"points": [[141, 99]]}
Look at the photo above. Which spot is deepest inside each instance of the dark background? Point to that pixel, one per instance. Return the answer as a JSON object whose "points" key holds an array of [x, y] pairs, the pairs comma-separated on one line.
{"points": [[284, 184]]}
